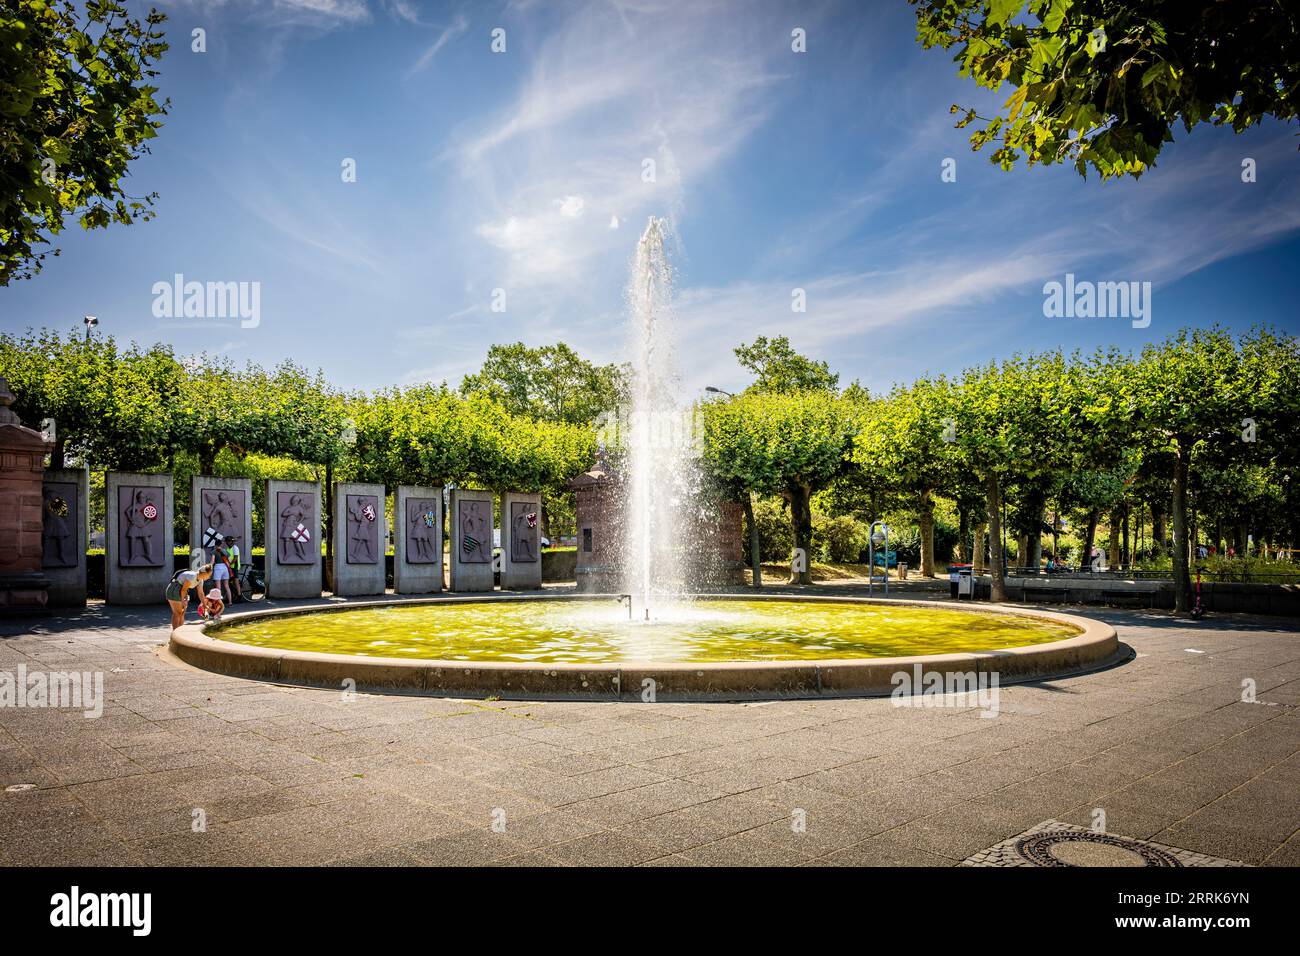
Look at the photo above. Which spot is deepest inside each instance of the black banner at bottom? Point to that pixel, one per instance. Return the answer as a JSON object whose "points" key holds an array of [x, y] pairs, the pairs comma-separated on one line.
{"points": [[731, 905]]}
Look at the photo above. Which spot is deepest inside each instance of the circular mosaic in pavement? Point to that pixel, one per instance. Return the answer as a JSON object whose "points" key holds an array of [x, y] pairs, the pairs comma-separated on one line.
{"points": [[1085, 848]]}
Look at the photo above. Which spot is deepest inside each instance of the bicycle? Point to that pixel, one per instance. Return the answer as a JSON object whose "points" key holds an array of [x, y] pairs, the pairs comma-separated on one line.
{"points": [[252, 586]]}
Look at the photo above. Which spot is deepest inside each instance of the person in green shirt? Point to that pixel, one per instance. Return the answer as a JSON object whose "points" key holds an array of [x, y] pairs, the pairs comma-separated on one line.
{"points": [[232, 554]]}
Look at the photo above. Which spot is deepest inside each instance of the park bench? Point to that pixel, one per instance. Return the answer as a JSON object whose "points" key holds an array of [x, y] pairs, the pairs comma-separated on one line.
{"points": [[1128, 598]]}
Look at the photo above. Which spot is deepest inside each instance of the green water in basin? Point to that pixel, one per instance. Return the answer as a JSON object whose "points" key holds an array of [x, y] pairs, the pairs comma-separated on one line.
{"points": [[600, 633]]}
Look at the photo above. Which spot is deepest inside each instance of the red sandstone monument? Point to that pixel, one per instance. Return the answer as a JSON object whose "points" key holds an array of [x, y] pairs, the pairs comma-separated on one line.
{"points": [[23, 586]]}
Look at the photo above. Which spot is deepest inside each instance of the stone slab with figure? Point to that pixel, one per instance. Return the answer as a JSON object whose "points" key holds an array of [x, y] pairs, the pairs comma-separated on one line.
{"points": [[292, 539], [138, 542], [521, 541], [417, 543]]}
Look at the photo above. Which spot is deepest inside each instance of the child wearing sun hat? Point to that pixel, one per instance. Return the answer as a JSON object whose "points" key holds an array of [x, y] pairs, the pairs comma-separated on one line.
{"points": [[216, 607]]}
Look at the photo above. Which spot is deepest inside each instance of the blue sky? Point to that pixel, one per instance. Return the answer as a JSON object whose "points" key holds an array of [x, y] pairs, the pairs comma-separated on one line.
{"points": [[479, 171]]}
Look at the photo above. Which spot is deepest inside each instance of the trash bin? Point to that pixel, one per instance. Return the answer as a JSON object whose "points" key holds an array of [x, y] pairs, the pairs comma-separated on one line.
{"points": [[902, 572], [965, 584], [954, 575]]}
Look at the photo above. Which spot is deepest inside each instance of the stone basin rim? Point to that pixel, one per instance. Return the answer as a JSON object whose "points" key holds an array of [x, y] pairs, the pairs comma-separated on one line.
{"points": [[1095, 647]]}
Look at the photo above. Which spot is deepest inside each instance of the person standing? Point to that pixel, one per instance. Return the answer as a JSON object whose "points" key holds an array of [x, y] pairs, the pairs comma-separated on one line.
{"points": [[232, 555], [221, 570]]}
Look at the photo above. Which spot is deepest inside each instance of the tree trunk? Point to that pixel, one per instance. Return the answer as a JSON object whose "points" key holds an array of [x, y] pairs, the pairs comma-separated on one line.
{"points": [[1114, 559], [1125, 553], [1089, 539], [801, 522], [756, 566], [927, 535], [1182, 579], [963, 535], [208, 457], [58, 454], [997, 559], [1157, 531], [1022, 550], [977, 549], [1036, 550]]}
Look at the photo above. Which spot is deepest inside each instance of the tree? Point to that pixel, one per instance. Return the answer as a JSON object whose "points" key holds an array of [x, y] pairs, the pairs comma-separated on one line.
{"points": [[1184, 394], [791, 444], [429, 435], [779, 368], [1101, 83], [1012, 422], [910, 443], [551, 383], [114, 408], [286, 412], [76, 108]]}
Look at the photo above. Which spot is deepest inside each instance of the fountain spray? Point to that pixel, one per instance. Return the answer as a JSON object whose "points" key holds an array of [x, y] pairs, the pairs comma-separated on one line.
{"points": [[657, 460]]}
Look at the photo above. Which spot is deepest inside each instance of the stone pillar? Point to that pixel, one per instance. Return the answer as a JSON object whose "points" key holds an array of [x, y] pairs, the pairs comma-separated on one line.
{"points": [[292, 539], [360, 538], [417, 544], [221, 507], [138, 542], [521, 541], [471, 540], [23, 586], [597, 512], [65, 534]]}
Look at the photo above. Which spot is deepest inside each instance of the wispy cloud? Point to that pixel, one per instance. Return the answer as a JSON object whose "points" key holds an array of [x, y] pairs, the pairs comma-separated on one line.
{"points": [[284, 12], [625, 108], [457, 29]]}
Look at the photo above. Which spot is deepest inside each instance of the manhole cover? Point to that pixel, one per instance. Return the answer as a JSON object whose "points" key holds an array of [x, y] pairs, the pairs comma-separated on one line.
{"points": [[1056, 844], [1075, 848], [1083, 853]]}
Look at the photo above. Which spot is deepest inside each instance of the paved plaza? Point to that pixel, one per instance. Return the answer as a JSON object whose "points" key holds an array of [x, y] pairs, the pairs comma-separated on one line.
{"points": [[188, 767]]}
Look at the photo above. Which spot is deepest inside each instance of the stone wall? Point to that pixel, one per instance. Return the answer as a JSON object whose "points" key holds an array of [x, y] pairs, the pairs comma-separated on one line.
{"points": [[66, 534], [521, 546], [417, 548], [139, 543], [470, 530], [360, 538], [224, 506], [293, 557]]}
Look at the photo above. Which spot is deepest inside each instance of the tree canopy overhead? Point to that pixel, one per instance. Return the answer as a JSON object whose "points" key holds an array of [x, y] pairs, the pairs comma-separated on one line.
{"points": [[76, 108], [1102, 83]]}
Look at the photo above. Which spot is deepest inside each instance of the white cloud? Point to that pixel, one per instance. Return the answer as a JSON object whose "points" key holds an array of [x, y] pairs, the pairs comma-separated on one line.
{"points": [[570, 206], [608, 90], [457, 29], [288, 12]]}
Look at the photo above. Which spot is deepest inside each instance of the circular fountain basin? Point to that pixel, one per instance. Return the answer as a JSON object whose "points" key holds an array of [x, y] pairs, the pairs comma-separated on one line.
{"points": [[712, 648]]}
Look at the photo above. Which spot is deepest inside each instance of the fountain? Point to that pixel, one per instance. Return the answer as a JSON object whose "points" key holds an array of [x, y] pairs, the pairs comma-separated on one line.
{"points": [[657, 493], [648, 537]]}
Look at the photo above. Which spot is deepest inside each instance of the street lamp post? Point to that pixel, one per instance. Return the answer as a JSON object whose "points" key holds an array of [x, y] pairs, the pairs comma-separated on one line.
{"points": [[91, 321], [755, 565]]}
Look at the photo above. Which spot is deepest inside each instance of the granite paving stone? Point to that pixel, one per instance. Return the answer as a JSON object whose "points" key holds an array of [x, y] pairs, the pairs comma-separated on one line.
{"points": [[289, 775]]}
